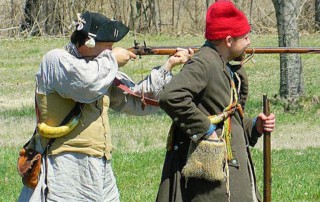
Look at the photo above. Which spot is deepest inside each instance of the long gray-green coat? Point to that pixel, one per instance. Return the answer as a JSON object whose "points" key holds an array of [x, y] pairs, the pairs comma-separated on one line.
{"points": [[202, 88]]}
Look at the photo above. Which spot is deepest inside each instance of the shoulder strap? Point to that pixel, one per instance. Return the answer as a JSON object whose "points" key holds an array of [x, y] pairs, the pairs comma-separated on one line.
{"points": [[75, 110]]}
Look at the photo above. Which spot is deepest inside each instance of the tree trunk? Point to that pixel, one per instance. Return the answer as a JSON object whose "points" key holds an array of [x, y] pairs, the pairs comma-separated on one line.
{"points": [[239, 3], [317, 14], [291, 76], [12, 13], [159, 9], [155, 14], [43, 18], [133, 22], [117, 10], [29, 22], [208, 2], [53, 23], [196, 13], [178, 17], [173, 17]]}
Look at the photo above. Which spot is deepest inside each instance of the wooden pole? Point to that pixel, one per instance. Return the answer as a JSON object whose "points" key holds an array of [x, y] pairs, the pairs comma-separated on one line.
{"points": [[266, 156]]}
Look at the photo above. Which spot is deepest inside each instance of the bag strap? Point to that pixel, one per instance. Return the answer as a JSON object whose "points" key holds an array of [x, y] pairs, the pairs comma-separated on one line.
{"points": [[75, 110]]}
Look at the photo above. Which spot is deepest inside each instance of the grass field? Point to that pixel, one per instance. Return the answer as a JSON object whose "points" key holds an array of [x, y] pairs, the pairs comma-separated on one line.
{"points": [[140, 141]]}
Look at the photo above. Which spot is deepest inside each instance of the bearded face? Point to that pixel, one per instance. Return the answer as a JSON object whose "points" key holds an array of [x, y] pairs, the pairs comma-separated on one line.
{"points": [[241, 57], [238, 46]]}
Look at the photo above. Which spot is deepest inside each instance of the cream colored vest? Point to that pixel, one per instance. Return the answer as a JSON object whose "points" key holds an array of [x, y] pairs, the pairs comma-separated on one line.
{"points": [[91, 136]]}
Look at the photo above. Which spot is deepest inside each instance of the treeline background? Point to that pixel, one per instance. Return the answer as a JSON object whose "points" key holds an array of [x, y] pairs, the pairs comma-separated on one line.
{"points": [[23, 18]]}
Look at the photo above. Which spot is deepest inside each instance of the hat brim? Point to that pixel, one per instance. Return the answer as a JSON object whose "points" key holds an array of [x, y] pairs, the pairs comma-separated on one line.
{"points": [[112, 31]]}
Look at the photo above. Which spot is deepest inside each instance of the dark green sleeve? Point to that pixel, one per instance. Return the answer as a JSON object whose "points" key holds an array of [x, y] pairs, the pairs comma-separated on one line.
{"points": [[251, 131], [178, 98]]}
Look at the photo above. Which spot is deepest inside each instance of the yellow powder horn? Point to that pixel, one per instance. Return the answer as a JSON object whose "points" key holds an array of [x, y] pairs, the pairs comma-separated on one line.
{"points": [[55, 132]]}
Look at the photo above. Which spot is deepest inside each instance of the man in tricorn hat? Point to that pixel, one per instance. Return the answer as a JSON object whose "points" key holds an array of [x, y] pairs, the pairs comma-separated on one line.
{"points": [[84, 79], [208, 156]]}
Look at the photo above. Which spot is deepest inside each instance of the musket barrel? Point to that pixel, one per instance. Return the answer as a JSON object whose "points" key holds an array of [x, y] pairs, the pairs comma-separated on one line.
{"points": [[271, 50]]}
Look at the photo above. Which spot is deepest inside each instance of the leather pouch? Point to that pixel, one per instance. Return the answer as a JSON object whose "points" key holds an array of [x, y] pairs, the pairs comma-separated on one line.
{"points": [[29, 164]]}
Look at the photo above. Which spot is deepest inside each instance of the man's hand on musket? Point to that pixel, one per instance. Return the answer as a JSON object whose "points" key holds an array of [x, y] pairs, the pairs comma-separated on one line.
{"points": [[180, 57], [123, 55], [265, 123]]}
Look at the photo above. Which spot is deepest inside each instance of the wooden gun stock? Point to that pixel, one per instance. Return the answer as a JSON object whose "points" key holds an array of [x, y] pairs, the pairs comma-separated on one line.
{"points": [[159, 50]]}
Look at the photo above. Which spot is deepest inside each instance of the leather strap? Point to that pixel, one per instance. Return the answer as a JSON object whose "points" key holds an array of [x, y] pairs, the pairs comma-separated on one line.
{"points": [[122, 86]]}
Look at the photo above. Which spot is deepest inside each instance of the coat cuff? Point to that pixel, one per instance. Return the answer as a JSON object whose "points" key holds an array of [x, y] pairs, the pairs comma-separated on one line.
{"points": [[254, 133], [211, 129]]}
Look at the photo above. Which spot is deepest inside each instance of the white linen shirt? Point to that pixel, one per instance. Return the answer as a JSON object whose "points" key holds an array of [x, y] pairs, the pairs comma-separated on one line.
{"points": [[85, 82]]}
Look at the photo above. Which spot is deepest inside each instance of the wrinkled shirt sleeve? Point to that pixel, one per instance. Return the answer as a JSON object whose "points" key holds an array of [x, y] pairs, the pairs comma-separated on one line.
{"points": [[150, 86], [75, 78]]}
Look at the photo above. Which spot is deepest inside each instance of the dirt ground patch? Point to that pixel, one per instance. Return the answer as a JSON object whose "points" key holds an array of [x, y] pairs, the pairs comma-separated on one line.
{"points": [[299, 136], [15, 132]]}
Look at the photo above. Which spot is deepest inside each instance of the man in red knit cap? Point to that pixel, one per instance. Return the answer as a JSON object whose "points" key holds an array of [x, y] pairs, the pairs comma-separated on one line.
{"points": [[208, 156]]}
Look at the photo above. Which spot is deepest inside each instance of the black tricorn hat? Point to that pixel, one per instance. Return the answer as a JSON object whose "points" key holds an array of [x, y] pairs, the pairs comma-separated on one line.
{"points": [[102, 28]]}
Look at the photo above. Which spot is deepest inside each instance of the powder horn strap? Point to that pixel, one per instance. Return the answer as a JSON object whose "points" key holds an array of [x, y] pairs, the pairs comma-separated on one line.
{"points": [[122, 86]]}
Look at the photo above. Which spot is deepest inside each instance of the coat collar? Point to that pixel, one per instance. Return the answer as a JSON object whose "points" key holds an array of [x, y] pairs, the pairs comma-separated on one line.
{"points": [[228, 68]]}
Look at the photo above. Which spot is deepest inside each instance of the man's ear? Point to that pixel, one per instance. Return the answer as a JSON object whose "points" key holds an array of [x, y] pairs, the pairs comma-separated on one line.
{"points": [[90, 43], [228, 41]]}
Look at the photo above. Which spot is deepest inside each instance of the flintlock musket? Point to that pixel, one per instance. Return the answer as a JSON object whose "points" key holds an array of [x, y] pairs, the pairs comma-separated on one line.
{"points": [[170, 50]]}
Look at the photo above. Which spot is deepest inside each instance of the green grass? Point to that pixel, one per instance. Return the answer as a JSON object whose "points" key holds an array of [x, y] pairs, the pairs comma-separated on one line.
{"points": [[140, 141], [295, 174], [25, 111], [138, 174], [10, 181]]}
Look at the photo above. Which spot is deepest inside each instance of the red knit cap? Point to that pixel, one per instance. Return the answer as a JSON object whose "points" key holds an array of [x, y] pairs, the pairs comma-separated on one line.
{"points": [[224, 19]]}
